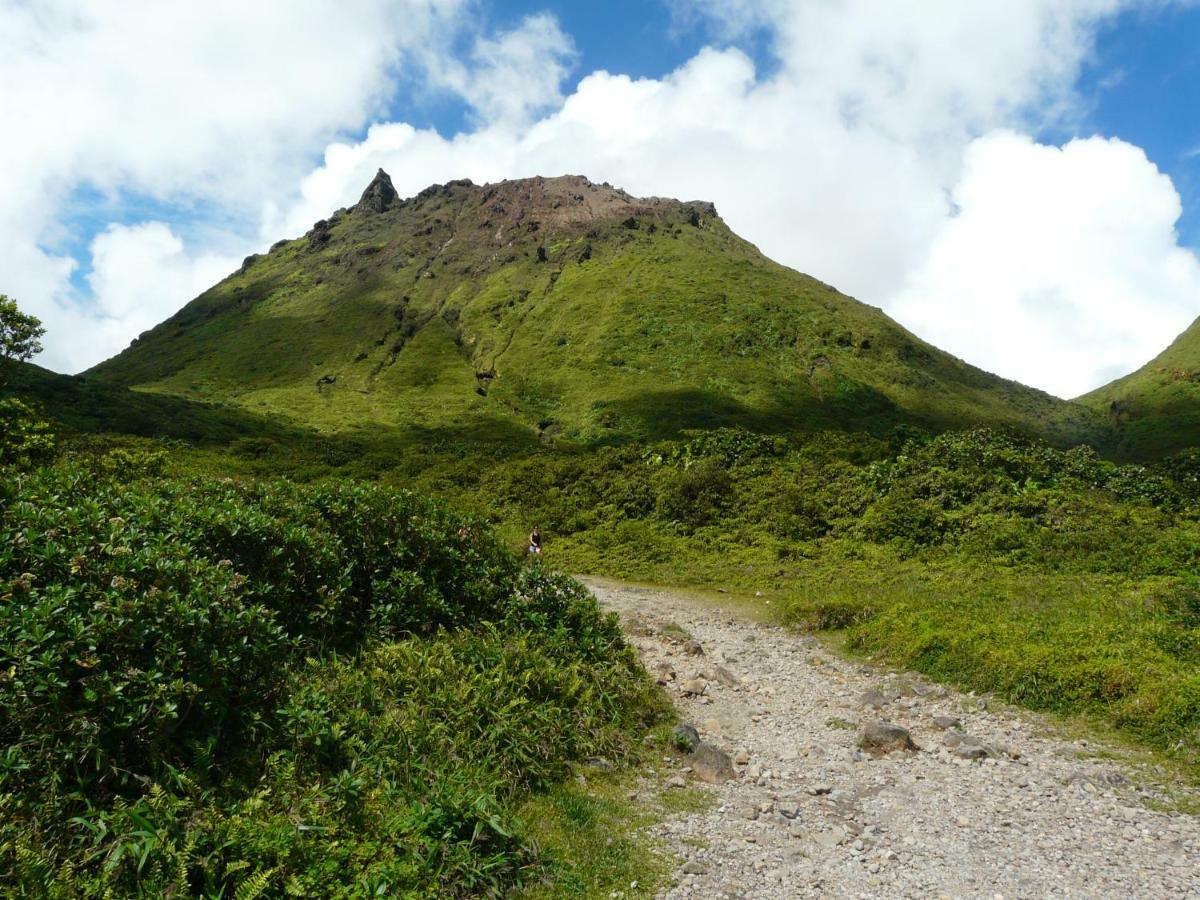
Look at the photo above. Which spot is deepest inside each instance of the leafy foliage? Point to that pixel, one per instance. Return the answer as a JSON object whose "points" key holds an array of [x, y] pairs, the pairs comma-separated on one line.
{"points": [[25, 438], [20, 336], [258, 688], [696, 496]]}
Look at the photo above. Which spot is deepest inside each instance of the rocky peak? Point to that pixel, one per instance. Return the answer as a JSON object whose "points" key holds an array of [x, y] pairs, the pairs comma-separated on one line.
{"points": [[572, 201], [524, 207], [379, 195]]}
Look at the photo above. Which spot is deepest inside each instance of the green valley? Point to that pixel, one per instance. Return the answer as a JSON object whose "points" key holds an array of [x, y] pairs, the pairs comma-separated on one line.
{"points": [[266, 628]]}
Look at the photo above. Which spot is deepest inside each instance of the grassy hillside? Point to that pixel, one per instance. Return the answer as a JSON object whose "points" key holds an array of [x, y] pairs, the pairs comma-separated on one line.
{"points": [[556, 309], [91, 405], [1156, 410]]}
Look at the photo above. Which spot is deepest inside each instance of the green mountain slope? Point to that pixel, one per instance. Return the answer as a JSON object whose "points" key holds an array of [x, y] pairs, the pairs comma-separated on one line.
{"points": [[1156, 410], [556, 307], [86, 404]]}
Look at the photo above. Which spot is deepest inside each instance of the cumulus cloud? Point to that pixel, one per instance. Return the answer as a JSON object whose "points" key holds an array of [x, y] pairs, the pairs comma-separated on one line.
{"points": [[138, 274], [516, 74], [165, 98], [874, 154], [219, 104], [930, 72], [1060, 265]]}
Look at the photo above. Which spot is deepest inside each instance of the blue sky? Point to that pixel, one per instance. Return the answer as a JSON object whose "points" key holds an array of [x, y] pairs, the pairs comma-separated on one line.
{"points": [[1144, 84], [1006, 186]]}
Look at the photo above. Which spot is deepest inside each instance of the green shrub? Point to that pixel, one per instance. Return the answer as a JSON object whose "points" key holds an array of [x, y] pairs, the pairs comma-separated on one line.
{"points": [[129, 463], [25, 439], [213, 687], [698, 495], [905, 519]]}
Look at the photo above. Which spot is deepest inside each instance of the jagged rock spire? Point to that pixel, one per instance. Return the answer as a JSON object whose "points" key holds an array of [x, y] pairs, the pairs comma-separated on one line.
{"points": [[379, 195]]}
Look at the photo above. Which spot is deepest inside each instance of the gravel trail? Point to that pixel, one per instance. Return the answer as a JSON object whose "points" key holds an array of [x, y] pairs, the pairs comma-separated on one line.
{"points": [[808, 814]]}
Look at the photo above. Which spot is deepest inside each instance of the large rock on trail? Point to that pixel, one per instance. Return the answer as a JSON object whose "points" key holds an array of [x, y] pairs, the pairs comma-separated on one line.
{"points": [[967, 747], [881, 738], [710, 764]]}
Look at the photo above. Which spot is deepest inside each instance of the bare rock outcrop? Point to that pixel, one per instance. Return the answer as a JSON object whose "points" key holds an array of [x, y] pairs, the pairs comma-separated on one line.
{"points": [[379, 196]]}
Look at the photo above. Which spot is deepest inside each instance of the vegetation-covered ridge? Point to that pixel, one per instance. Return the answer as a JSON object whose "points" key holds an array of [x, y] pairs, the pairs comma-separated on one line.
{"points": [[560, 310], [94, 406], [223, 689], [1156, 410]]}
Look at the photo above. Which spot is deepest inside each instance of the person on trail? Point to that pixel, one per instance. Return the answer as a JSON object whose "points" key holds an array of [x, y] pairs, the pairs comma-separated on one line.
{"points": [[535, 541]]}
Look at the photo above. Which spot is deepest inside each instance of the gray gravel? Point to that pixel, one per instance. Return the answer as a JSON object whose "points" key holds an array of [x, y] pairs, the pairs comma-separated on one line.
{"points": [[810, 815]]}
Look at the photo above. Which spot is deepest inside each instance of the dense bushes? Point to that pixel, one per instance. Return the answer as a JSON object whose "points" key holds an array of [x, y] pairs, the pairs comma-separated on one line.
{"points": [[984, 496], [1054, 577], [209, 684], [25, 439], [696, 496]]}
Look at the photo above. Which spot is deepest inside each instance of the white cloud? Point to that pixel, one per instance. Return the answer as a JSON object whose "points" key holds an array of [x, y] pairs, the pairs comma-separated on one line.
{"points": [[846, 161], [205, 99], [1060, 266], [932, 71], [516, 74], [220, 103], [138, 275]]}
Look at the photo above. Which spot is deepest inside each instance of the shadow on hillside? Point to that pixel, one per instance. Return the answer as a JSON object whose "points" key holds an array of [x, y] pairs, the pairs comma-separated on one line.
{"points": [[89, 406], [492, 437], [1151, 429], [668, 415]]}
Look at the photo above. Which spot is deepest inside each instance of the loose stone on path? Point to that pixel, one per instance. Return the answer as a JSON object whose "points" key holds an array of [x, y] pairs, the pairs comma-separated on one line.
{"points": [[983, 804]]}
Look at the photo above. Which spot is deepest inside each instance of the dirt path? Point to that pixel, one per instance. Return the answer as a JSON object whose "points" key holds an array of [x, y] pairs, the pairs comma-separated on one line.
{"points": [[808, 814]]}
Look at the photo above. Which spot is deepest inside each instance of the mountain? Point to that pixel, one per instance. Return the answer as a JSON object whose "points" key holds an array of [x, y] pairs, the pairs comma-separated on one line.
{"points": [[1156, 410], [555, 307]]}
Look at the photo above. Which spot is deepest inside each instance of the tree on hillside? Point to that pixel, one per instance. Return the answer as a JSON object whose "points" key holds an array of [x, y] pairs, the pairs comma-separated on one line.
{"points": [[20, 337]]}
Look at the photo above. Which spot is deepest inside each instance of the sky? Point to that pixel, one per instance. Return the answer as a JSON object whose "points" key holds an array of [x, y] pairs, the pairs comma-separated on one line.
{"points": [[1018, 182]]}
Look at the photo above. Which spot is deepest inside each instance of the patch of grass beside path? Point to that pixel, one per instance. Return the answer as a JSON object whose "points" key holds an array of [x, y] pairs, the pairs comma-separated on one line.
{"points": [[592, 832]]}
